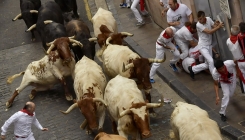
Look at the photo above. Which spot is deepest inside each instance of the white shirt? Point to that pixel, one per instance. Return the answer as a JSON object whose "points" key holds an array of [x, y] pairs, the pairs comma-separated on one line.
{"points": [[181, 14], [205, 40], [235, 49], [184, 35], [22, 124], [163, 40], [194, 52], [230, 65], [188, 61]]}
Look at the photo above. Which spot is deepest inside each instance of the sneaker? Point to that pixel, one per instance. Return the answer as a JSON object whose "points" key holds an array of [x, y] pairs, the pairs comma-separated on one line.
{"points": [[140, 23], [223, 117], [123, 5], [191, 72], [173, 67], [128, 5], [152, 80]]}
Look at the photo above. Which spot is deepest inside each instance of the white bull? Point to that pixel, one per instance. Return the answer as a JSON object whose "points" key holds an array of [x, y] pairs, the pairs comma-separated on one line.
{"points": [[128, 108], [49, 70], [189, 122], [89, 85]]}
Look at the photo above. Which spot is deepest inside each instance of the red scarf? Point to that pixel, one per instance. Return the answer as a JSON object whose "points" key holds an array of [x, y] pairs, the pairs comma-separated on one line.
{"points": [[189, 28], [165, 35], [224, 76], [142, 3], [25, 111], [176, 7], [241, 38], [233, 38]]}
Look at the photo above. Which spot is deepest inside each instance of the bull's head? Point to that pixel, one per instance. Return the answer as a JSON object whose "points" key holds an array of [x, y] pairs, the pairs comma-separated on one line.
{"points": [[88, 108], [140, 69], [140, 116], [62, 45], [27, 16]]}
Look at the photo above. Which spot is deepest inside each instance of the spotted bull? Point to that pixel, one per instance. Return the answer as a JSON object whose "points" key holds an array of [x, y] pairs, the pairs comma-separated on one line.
{"points": [[104, 136], [89, 85], [48, 71], [128, 108]]}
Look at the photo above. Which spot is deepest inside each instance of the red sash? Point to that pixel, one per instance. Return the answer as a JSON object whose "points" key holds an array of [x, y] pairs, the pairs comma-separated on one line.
{"points": [[225, 76], [242, 39], [142, 3]]}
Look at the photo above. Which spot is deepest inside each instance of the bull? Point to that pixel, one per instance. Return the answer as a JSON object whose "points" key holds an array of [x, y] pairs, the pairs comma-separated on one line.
{"points": [[81, 32], [127, 107], [89, 85], [104, 136], [68, 6], [49, 11], [29, 11], [48, 71], [118, 59], [189, 122]]}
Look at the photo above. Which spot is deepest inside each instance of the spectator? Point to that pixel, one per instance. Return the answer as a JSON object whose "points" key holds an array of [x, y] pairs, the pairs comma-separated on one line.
{"points": [[23, 121], [164, 42], [136, 12], [225, 73], [205, 29], [178, 14]]}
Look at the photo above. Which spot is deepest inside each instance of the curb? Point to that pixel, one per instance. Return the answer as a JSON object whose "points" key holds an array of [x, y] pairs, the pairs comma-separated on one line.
{"points": [[178, 86]]}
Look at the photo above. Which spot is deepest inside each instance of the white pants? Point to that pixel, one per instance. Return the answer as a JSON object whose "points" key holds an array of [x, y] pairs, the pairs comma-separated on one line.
{"points": [[209, 62], [136, 12], [30, 137], [228, 90], [241, 66], [184, 47], [160, 54]]}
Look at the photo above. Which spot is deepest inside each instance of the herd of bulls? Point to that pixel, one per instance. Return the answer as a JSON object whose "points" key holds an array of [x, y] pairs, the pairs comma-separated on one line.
{"points": [[121, 96]]}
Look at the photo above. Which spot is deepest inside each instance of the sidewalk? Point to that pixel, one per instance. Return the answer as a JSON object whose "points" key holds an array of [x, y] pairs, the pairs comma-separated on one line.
{"points": [[199, 92]]}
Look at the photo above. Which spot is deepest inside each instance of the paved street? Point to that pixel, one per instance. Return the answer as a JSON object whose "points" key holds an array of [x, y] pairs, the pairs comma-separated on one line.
{"points": [[17, 51]]}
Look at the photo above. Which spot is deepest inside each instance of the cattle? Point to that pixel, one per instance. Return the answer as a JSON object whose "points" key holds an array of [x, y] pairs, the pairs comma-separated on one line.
{"points": [[89, 86], [127, 107], [81, 32], [104, 136], [189, 122], [49, 11], [29, 11], [118, 59], [48, 71], [68, 6]]}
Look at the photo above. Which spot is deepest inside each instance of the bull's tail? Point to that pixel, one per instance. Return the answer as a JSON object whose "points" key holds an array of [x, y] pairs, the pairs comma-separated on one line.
{"points": [[11, 78]]}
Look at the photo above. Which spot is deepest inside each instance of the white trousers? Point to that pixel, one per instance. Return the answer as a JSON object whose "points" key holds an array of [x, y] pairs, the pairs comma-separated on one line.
{"points": [[160, 54], [30, 137], [184, 47], [228, 90], [209, 62], [136, 12], [241, 66]]}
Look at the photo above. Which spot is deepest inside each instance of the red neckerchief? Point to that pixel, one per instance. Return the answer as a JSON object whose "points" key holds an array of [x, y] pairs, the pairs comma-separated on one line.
{"points": [[25, 111], [142, 8], [233, 38], [241, 37], [189, 28], [176, 7], [224, 76], [165, 35]]}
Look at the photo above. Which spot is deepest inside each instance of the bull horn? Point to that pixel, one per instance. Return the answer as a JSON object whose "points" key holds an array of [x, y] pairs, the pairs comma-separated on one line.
{"points": [[108, 40], [72, 37], [127, 34], [33, 11], [50, 48], [125, 112], [99, 100], [32, 27], [69, 109], [92, 39], [48, 21], [18, 16], [152, 60], [75, 41], [154, 105], [128, 66]]}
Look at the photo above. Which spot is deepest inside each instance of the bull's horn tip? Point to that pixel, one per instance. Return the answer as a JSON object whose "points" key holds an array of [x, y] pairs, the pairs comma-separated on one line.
{"points": [[13, 20], [63, 112]]}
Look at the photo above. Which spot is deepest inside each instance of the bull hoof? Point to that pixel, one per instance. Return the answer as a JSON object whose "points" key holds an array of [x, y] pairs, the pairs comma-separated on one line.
{"points": [[69, 98], [153, 114], [88, 132], [8, 105], [31, 97], [75, 16], [33, 39], [101, 130]]}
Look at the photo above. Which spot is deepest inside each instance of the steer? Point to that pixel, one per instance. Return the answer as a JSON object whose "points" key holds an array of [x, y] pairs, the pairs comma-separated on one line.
{"points": [[29, 13], [89, 85], [118, 59], [104, 136], [48, 11], [127, 107], [189, 122], [48, 71], [68, 6], [81, 32]]}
